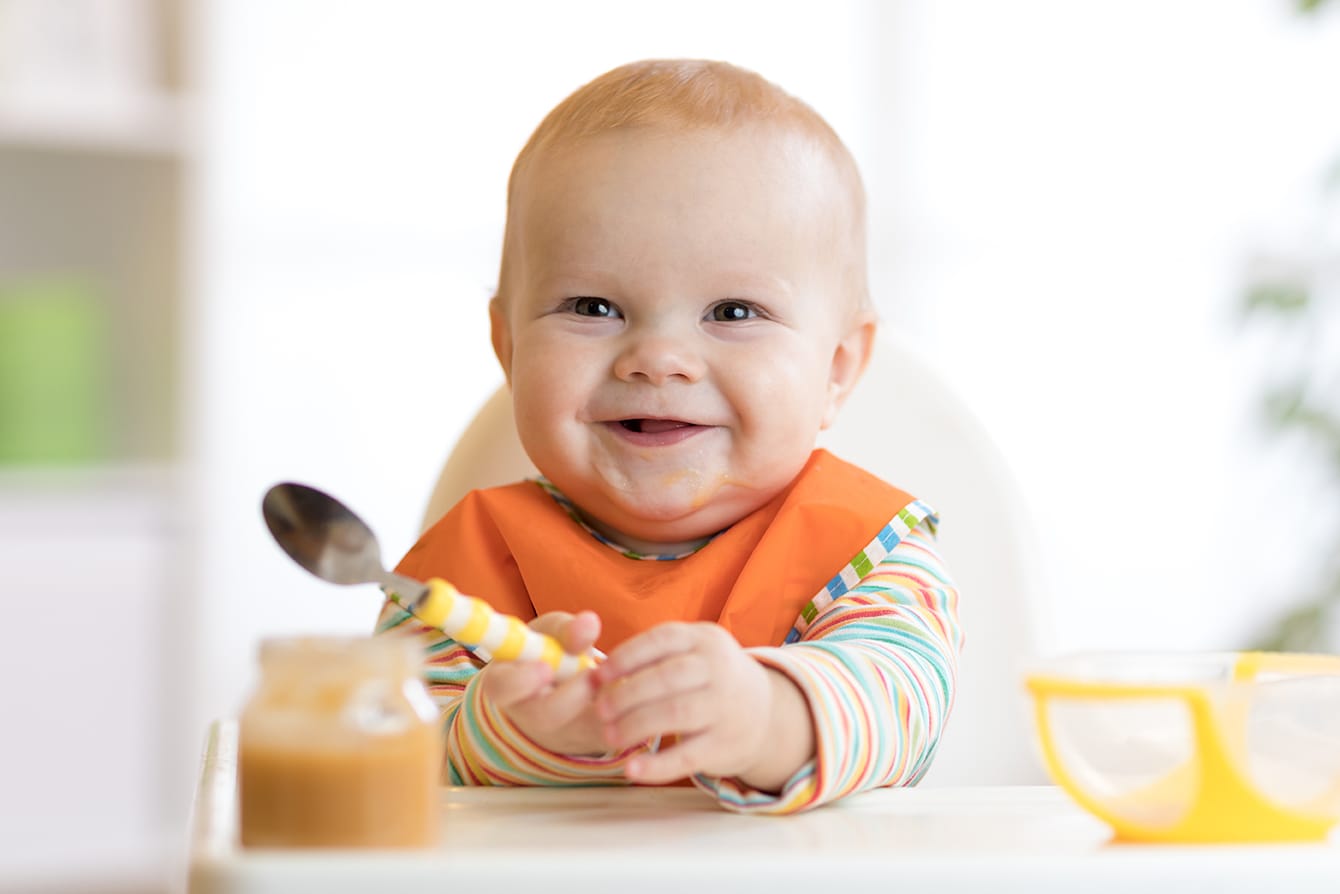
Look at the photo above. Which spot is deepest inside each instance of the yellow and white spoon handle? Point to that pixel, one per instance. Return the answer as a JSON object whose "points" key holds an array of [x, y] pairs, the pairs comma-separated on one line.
{"points": [[473, 622]]}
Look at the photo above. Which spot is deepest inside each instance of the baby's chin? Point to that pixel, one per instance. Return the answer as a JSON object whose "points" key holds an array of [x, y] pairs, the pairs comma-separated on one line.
{"points": [[668, 527], [657, 537]]}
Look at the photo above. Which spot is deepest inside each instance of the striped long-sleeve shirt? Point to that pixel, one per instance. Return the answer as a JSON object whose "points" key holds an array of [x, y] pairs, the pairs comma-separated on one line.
{"points": [[875, 659]]}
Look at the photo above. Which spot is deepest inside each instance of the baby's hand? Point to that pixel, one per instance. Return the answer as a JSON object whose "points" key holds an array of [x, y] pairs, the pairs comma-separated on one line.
{"points": [[557, 716], [694, 681]]}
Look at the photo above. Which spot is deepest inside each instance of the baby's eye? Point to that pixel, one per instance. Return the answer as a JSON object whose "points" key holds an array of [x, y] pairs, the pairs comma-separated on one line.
{"points": [[733, 311], [588, 306]]}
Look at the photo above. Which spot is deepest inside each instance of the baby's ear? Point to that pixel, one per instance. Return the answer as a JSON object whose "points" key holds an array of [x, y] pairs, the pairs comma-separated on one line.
{"points": [[850, 359], [501, 336]]}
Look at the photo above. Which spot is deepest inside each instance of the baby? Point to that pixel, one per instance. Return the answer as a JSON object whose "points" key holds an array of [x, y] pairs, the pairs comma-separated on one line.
{"points": [[682, 308]]}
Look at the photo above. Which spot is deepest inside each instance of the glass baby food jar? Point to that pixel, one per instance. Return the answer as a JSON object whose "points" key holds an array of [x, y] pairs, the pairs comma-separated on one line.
{"points": [[339, 746]]}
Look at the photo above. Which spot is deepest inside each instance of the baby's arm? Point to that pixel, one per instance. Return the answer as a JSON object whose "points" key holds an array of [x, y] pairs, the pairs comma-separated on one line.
{"points": [[877, 670], [483, 744]]}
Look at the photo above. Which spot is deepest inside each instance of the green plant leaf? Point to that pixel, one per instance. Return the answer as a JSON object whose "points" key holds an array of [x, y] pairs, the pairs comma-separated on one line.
{"points": [[1285, 298], [1284, 404], [1306, 407], [1330, 181], [1301, 629]]}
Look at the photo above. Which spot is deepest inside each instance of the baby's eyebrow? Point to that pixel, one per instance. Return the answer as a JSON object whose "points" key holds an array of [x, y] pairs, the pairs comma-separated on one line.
{"points": [[562, 267], [746, 284], [574, 279]]}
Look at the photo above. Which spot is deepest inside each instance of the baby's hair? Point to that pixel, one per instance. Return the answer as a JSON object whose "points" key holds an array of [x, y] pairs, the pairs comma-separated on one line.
{"points": [[690, 94], [684, 92]]}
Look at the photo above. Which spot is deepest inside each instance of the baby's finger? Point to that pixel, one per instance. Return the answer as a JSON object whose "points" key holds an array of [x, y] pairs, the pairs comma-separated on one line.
{"points": [[649, 647], [557, 706], [550, 623], [509, 683], [681, 760], [575, 633], [682, 714], [581, 633], [677, 674]]}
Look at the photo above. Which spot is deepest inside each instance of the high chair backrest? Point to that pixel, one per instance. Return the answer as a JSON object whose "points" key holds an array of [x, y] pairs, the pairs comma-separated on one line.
{"points": [[905, 424]]}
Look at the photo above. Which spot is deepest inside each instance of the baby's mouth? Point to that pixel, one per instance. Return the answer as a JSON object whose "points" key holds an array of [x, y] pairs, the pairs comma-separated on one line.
{"points": [[645, 432], [653, 426]]}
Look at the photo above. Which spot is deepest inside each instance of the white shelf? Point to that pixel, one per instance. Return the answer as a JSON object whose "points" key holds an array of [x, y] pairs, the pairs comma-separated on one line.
{"points": [[147, 125], [86, 568], [39, 502]]}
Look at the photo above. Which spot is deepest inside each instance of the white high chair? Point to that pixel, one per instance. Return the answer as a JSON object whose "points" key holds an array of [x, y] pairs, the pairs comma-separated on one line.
{"points": [[905, 424]]}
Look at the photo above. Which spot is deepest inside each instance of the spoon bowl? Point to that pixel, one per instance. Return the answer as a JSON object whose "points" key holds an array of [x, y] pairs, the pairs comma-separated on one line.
{"points": [[325, 537]]}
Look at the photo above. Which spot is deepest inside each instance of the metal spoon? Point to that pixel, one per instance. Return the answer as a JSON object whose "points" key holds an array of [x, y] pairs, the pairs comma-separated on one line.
{"points": [[324, 536]]}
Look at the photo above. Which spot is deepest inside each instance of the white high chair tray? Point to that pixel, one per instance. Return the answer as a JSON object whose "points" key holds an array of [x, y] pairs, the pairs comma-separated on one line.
{"points": [[589, 840]]}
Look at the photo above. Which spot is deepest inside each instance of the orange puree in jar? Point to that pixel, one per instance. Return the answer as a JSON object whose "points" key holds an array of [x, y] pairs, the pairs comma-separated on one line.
{"points": [[339, 746]]}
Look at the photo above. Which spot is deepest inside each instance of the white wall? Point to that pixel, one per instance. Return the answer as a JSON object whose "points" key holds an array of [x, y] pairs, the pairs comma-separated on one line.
{"points": [[1072, 194]]}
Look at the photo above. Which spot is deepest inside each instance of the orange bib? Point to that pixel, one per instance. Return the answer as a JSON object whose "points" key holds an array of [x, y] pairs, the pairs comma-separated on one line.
{"points": [[517, 548]]}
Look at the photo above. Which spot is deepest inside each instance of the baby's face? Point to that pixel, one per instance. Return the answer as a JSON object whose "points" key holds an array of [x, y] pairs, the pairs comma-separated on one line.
{"points": [[676, 324]]}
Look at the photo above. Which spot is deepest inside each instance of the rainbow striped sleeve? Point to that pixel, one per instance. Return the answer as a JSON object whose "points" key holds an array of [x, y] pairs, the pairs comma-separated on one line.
{"points": [[876, 663], [875, 655], [483, 747]]}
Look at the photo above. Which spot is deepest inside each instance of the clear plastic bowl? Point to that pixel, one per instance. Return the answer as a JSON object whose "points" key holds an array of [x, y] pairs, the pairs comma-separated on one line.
{"points": [[1233, 746]]}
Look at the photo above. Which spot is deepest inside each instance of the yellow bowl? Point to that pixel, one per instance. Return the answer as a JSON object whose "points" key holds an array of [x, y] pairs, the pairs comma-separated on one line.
{"points": [[1196, 747]]}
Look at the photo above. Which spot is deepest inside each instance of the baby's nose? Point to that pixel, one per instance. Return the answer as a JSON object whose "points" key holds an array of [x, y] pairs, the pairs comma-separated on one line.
{"points": [[659, 358]]}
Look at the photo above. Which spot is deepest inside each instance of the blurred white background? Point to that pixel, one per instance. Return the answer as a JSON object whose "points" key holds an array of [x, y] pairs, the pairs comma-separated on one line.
{"points": [[289, 214]]}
